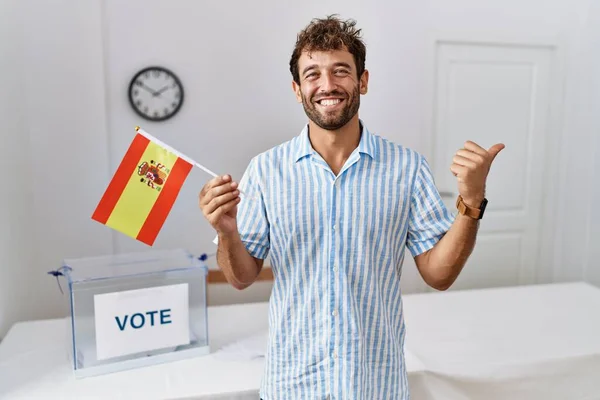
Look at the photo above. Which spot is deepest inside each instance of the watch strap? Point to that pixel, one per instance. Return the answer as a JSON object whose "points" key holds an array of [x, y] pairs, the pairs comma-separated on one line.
{"points": [[464, 209]]}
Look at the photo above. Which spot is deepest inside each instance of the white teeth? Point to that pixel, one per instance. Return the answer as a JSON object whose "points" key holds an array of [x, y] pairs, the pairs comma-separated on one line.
{"points": [[330, 102]]}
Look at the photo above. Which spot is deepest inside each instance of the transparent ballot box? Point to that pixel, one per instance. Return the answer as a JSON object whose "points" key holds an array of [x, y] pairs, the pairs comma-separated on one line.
{"points": [[137, 309]]}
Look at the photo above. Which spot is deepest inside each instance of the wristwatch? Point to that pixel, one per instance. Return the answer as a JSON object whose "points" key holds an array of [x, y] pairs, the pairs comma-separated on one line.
{"points": [[475, 213]]}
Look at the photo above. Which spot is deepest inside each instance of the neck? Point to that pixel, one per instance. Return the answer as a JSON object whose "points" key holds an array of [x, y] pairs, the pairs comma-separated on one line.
{"points": [[335, 146]]}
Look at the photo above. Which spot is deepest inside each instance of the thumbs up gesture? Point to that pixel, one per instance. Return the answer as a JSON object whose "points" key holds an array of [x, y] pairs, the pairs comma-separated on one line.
{"points": [[471, 166]]}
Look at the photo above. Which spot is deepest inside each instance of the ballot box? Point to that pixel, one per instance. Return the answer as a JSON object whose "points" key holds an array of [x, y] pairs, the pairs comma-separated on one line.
{"points": [[133, 310]]}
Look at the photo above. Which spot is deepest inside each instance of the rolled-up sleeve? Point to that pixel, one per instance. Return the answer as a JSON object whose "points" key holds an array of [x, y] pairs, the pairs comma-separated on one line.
{"points": [[429, 218], [253, 225]]}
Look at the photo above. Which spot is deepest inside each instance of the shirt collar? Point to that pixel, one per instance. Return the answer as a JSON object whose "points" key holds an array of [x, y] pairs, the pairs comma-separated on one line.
{"points": [[366, 145]]}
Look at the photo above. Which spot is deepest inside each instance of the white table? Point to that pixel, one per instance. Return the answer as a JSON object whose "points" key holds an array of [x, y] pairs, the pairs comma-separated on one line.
{"points": [[530, 343], [34, 364], [537, 342]]}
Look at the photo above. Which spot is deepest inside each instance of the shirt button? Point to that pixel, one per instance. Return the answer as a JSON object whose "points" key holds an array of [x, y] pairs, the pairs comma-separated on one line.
{"points": [[335, 269], [334, 313], [335, 356]]}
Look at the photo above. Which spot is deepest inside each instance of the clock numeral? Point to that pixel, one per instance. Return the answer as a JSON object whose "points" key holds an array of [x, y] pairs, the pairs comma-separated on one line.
{"points": [[138, 103], [139, 83], [166, 111], [173, 104], [136, 92], [147, 75], [174, 85], [177, 95], [145, 110], [156, 114], [156, 73]]}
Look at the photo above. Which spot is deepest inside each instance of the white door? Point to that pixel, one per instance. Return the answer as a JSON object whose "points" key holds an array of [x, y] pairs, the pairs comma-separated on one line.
{"points": [[492, 93]]}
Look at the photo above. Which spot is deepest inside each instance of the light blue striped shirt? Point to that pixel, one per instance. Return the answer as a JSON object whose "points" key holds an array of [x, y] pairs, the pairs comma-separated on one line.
{"points": [[337, 244]]}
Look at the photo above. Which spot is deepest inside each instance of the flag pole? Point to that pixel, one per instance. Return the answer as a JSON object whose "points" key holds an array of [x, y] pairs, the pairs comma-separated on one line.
{"points": [[179, 154]]}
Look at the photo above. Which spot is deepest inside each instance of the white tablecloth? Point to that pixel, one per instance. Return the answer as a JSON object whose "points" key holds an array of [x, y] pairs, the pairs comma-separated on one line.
{"points": [[530, 343], [537, 342], [34, 364]]}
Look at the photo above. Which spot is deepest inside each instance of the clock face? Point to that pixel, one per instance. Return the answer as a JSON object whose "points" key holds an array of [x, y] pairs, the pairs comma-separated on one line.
{"points": [[155, 93]]}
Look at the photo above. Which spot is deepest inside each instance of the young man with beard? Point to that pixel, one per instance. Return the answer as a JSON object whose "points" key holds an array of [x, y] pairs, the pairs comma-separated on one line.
{"points": [[336, 207]]}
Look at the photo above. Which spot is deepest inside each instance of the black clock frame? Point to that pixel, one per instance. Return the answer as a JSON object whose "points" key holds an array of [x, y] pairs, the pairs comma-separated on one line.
{"points": [[132, 84]]}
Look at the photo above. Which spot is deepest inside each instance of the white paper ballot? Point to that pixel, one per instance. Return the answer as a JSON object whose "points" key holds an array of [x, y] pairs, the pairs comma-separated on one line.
{"points": [[141, 320], [246, 349]]}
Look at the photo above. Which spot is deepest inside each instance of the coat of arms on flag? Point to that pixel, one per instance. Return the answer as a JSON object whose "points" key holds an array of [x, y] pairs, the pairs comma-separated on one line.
{"points": [[144, 188]]}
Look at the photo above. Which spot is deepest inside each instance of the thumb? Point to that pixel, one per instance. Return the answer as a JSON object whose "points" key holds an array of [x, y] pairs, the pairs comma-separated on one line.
{"points": [[495, 149]]}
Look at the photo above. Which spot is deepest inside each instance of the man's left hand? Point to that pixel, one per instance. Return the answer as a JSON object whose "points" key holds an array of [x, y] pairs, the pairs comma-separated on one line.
{"points": [[471, 166]]}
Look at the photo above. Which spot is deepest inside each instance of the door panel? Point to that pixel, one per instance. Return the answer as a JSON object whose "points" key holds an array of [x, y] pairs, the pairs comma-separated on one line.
{"points": [[496, 94]]}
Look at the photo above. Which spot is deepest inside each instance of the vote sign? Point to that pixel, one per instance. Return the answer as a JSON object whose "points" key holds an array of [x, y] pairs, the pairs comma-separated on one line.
{"points": [[141, 320]]}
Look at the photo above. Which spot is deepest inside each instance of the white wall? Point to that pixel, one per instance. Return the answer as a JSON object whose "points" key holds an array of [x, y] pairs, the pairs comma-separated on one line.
{"points": [[593, 242], [75, 61], [577, 158], [15, 225], [54, 136]]}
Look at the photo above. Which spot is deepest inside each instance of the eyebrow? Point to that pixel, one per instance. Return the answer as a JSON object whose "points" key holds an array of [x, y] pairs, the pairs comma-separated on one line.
{"points": [[337, 64]]}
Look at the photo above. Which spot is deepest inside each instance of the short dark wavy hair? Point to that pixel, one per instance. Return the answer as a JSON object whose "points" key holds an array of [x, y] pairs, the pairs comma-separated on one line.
{"points": [[327, 34]]}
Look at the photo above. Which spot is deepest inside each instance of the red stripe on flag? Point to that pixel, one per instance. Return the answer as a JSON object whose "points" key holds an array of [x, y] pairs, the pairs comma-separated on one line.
{"points": [[128, 165], [164, 202]]}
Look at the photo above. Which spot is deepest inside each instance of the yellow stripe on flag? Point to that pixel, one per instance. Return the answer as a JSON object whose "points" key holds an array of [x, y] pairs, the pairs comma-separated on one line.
{"points": [[138, 197]]}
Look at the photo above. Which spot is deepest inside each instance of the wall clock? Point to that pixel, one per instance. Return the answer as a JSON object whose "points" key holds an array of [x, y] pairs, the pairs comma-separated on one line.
{"points": [[155, 93]]}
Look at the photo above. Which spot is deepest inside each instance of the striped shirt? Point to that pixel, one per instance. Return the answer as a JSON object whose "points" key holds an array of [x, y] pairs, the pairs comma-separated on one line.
{"points": [[336, 245]]}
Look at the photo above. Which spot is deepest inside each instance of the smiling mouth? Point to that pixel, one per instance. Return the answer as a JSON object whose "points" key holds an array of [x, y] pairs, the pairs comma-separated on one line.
{"points": [[329, 102]]}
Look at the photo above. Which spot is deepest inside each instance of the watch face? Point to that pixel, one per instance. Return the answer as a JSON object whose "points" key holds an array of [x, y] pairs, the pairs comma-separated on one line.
{"points": [[155, 94], [482, 208]]}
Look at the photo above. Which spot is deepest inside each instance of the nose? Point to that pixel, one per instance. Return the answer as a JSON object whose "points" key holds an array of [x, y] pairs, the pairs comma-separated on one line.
{"points": [[327, 83]]}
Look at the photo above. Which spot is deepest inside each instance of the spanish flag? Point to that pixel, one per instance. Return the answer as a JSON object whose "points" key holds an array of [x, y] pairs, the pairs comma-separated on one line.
{"points": [[144, 188]]}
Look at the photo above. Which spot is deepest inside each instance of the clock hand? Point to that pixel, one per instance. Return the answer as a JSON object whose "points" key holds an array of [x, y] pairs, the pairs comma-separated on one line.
{"points": [[161, 90], [149, 89]]}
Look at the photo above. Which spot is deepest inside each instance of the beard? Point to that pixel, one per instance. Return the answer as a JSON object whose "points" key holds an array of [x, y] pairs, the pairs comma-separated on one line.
{"points": [[332, 120]]}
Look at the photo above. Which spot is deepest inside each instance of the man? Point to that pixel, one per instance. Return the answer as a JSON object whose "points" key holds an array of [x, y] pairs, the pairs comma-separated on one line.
{"points": [[336, 207]]}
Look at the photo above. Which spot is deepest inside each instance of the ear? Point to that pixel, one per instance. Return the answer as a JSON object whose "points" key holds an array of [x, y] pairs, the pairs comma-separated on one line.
{"points": [[364, 82], [296, 89]]}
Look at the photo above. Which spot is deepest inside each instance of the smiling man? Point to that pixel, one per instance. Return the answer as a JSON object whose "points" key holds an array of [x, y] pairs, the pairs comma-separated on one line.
{"points": [[336, 207]]}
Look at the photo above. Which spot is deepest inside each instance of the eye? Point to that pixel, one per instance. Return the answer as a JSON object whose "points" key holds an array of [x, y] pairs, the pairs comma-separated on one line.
{"points": [[341, 71]]}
